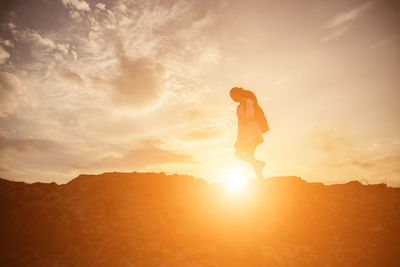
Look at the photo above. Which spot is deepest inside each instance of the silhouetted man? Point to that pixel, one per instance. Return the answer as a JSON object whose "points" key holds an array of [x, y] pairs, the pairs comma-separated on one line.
{"points": [[252, 124]]}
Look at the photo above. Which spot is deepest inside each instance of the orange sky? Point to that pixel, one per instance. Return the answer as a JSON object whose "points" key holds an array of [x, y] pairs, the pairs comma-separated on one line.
{"points": [[95, 86]]}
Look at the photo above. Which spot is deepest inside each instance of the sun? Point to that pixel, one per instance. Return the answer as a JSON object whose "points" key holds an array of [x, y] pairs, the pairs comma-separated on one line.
{"points": [[235, 181]]}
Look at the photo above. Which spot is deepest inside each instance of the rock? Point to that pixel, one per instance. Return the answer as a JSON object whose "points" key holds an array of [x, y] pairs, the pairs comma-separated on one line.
{"points": [[151, 219]]}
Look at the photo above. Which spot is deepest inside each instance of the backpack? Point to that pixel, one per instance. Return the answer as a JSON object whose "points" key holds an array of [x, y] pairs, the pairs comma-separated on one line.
{"points": [[261, 119], [258, 112]]}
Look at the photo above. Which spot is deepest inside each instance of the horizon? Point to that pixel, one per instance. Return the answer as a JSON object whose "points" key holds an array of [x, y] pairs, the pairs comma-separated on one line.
{"points": [[122, 86], [227, 183]]}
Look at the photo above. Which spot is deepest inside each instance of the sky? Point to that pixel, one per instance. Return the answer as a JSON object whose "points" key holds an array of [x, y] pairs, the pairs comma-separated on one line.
{"points": [[102, 86]]}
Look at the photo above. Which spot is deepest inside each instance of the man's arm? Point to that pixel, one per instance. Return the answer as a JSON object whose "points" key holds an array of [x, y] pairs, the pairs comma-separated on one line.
{"points": [[249, 107]]}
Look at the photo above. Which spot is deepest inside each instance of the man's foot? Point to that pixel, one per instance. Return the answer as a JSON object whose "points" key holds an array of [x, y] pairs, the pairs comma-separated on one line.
{"points": [[260, 164], [259, 168]]}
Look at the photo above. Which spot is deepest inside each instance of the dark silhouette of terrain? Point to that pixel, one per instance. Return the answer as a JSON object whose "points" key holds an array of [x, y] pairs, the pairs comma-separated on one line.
{"points": [[150, 219]]}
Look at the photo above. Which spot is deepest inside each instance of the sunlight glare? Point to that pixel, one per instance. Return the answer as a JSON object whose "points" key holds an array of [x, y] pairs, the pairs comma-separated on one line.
{"points": [[235, 181]]}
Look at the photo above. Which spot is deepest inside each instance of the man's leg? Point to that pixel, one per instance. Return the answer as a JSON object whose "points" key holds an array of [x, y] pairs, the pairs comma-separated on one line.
{"points": [[242, 155], [248, 156], [257, 165]]}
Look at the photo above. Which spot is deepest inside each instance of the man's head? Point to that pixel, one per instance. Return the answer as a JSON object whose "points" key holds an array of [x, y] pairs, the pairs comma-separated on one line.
{"points": [[236, 94]]}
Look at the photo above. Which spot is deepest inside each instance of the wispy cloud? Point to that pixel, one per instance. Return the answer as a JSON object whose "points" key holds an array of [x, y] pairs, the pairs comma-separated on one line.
{"points": [[337, 25], [4, 55], [9, 91], [140, 82], [333, 35], [41, 48], [81, 5], [383, 42], [204, 134], [347, 16], [282, 80], [28, 144], [101, 6], [391, 159], [72, 76], [6, 42], [335, 144], [149, 153]]}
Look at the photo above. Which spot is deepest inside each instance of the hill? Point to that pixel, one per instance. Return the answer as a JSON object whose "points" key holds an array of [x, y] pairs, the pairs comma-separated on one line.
{"points": [[153, 219]]}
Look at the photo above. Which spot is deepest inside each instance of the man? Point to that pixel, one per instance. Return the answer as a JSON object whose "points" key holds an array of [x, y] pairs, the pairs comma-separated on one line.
{"points": [[252, 124]]}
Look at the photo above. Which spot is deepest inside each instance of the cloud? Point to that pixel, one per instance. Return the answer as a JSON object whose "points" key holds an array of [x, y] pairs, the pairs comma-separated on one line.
{"points": [[370, 163], [207, 133], [72, 76], [382, 43], [333, 35], [333, 143], [4, 55], [9, 90], [4, 169], [27, 144], [77, 4], [149, 153], [347, 16], [282, 80], [101, 6], [337, 23], [151, 142], [140, 83], [33, 37], [347, 156], [6, 42]]}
